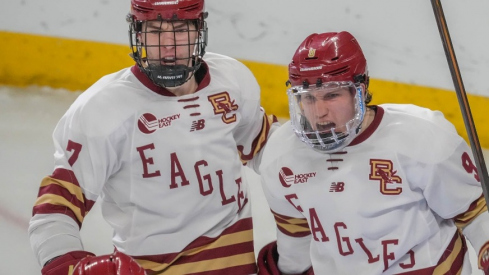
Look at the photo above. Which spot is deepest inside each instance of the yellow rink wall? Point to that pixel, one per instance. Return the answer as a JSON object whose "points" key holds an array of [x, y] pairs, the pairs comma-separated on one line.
{"points": [[75, 65]]}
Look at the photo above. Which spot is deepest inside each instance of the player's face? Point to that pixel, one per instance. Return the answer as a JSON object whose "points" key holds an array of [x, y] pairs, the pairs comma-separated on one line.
{"points": [[328, 108], [169, 42]]}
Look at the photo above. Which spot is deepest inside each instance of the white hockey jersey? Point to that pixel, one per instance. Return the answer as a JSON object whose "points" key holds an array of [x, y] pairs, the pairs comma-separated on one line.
{"points": [[167, 170], [389, 203]]}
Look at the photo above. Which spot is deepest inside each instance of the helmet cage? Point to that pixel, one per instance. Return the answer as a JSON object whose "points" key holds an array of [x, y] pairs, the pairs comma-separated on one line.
{"points": [[178, 71], [333, 139]]}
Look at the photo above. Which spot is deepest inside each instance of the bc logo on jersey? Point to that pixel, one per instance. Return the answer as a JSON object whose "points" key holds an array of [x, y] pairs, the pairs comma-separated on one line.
{"points": [[224, 105], [148, 123], [382, 170]]}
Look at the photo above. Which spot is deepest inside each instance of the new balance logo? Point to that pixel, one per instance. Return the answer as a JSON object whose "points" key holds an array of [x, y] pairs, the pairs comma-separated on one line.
{"points": [[337, 187], [197, 125]]}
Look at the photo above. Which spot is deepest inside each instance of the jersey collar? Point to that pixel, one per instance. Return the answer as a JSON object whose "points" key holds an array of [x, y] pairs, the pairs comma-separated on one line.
{"points": [[379, 113]]}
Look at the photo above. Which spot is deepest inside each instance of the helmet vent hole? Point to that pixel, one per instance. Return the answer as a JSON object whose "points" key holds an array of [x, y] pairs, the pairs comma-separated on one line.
{"points": [[335, 58], [338, 71], [192, 7], [142, 9]]}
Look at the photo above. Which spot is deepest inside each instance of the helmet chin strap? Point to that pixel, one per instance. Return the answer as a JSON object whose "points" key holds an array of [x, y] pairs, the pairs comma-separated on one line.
{"points": [[359, 129], [367, 119], [169, 76]]}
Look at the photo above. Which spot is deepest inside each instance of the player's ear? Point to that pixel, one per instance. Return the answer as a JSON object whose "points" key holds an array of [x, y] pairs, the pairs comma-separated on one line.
{"points": [[139, 38]]}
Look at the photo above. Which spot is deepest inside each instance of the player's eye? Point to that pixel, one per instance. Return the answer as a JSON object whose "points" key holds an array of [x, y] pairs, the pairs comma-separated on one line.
{"points": [[309, 99], [331, 95], [182, 29]]}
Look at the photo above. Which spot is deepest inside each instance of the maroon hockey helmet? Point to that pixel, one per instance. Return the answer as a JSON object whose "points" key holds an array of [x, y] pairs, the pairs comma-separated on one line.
{"points": [[328, 57], [174, 12], [167, 10], [116, 263]]}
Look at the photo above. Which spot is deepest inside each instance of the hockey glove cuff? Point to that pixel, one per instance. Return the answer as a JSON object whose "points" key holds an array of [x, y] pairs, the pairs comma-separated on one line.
{"points": [[484, 258], [115, 263], [267, 261], [63, 265]]}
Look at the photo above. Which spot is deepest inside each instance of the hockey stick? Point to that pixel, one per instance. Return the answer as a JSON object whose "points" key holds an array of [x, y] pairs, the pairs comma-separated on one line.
{"points": [[462, 97]]}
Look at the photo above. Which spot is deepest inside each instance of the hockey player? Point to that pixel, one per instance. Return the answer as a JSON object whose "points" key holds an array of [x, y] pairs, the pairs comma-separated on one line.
{"points": [[161, 145], [363, 189]]}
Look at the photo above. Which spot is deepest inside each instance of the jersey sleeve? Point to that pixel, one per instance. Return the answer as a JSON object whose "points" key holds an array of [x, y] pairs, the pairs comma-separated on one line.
{"points": [[477, 232], [255, 127], [452, 183], [293, 234], [83, 160], [454, 192], [474, 219], [437, 159]]}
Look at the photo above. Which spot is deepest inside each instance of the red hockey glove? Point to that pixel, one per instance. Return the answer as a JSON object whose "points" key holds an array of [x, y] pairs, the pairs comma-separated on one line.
{"points": [[63, 264], [267, 261], [116, 263]]}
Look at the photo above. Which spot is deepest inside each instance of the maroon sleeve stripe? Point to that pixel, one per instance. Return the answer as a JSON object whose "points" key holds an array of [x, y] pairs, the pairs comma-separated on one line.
{"points": [[260, 139], [56, 209], [290, 220], [297, 234], [290, 226], [65, 175], [56, 188], [475, 209], [60, 193]]}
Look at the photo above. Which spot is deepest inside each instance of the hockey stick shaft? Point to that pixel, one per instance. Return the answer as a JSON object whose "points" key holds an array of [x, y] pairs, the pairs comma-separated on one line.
{"points": [[462, 97]]}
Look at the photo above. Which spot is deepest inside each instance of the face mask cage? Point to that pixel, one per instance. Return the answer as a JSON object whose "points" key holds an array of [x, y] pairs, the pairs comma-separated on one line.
{"points": [[168, 52], [305, 100]]}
